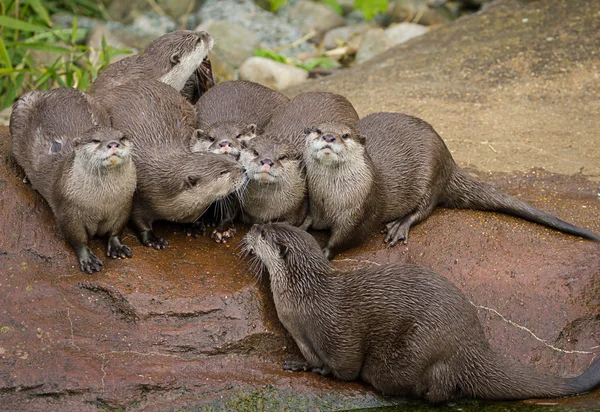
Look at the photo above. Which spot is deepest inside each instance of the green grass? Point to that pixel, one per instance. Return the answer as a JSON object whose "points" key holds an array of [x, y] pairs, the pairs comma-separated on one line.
{"points": [[26, 27]]}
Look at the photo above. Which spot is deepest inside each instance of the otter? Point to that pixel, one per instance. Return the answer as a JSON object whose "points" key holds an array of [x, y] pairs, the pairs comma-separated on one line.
{"points": [[174, 58], [199, 82], [277, 189], [233, 112], [174, 183], [80, 166], [402, 328], [394, 168]]}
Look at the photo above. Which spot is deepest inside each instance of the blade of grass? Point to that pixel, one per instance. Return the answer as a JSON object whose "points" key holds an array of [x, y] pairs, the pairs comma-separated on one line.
{"points": [[9, 22], [41, 11]]}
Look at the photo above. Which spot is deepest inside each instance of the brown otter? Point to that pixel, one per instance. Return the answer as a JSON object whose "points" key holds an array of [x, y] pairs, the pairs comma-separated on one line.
{"points": [[234, 112], [199, 82], [394, 168], [173, 59], [277, 190], [174, 183], [80, 166], [402, 328]]}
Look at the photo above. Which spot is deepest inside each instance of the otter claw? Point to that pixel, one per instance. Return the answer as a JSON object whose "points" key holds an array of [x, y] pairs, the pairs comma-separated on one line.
{"points": [[295, 366], [151, 240], [196, 229], [90, 264], [222, 236]]}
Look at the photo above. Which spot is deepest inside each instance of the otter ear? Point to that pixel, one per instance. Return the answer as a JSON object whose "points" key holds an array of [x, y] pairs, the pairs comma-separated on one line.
{"points": [[361, 139], [250, 130], [175, 58], [190, 182], [309, 130], [283, 249]]}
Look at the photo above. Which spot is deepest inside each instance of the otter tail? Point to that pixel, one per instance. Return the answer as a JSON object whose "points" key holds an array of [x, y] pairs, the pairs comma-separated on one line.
{"points": [[465, 192], [502, 379]]}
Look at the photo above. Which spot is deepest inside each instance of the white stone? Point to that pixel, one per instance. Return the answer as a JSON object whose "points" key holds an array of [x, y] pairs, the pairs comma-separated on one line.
{"points": [[272, 74], [402, 32]]}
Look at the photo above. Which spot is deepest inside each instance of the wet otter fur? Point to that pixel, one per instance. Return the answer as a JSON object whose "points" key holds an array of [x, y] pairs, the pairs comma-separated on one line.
{"points": [[173, 58], [82, 167], [401, 328], [174, 183], [234, 112], [277, 189], [394, 168]]}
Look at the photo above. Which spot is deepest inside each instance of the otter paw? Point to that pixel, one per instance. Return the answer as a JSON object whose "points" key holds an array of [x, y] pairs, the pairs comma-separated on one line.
{"points": [[151, 240], [222, 236], [120, 250], [295, 366], [90, 263], [328, 254], [195, 229], [396, 231], [323, 371]]}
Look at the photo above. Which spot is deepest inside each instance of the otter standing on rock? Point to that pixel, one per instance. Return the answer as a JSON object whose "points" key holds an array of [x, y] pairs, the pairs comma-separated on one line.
{"points": [[173, 58], [277, 188], [80, 166], [394, 168], [402, 328], [174, 183], [232, 113]]}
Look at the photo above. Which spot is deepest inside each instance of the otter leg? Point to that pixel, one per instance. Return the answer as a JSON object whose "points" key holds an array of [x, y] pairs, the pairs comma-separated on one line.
{"points": [[397, 230], [78, 239], [307, 222], [296, 366], [196, 229], [117, 249], [142, 225]]}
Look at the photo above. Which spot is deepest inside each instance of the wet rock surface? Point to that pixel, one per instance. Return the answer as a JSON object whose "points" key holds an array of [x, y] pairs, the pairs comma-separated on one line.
{"points": [[191, 327]]}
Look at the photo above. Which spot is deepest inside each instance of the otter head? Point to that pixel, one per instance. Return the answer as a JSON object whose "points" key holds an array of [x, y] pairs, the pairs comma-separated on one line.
{"points": [[184, 184], [268, 160], [223, 138], [178, 55], [333, 143], [103, 147], [287, 252]]}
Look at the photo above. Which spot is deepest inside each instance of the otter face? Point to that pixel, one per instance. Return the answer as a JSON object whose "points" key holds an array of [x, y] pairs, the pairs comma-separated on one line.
{"points": [[104, 147], [186, 50], [279, 245], [223, 138], [194, 181], [268, 161], [332, 143]]}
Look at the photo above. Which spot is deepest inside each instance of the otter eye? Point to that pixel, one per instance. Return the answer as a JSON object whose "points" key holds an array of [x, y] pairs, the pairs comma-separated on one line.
{"points": [[210, 138], [224, 172], [284, 157], [254, 152], [238, 136], [345, 136], [319, 131], [96, 140], [123, 139]]}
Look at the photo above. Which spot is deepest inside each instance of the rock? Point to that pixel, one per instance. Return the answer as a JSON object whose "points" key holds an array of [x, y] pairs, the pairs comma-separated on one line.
{"points": [[417, 11], [346, 5], [271, 30], [314, 16], [222, 70], [95, 41], [153, 25], [5, 116], [177, 9], [125, 11], [402, 32], [341, 35], [272, 74], [374, 42], [233, 44]]}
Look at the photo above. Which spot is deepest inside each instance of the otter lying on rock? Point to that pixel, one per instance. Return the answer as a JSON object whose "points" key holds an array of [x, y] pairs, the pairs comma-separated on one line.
{"points": [[82, 167], [402, 328], [394, 168]]}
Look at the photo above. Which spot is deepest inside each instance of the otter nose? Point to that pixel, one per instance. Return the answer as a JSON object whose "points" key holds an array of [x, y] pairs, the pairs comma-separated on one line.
{"points": [[224, 144], [329, 138], [267, 162], [113, 145]]}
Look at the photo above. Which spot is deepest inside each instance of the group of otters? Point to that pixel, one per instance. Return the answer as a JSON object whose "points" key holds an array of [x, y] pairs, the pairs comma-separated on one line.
{"points": [[143, 145]]}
